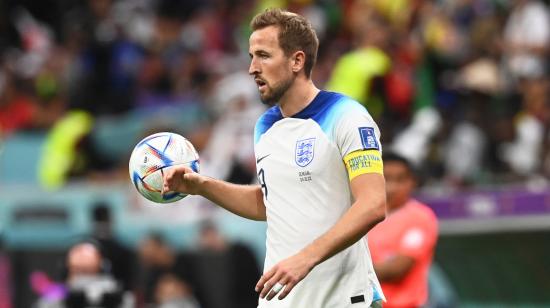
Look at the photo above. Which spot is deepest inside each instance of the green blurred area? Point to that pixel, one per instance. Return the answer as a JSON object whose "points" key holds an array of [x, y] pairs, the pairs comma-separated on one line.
{"points": [[497, 269]]}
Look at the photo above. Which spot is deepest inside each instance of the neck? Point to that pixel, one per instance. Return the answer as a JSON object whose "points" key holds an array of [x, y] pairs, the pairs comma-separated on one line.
{"points": [[396, 206], [298, 96]]}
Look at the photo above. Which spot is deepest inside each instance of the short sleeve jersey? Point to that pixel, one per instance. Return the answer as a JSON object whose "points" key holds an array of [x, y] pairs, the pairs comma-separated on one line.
{"points": [[411, 231], [302, 168]]}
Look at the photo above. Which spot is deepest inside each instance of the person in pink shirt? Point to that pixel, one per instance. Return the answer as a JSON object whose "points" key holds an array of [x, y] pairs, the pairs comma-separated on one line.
{"points": [[403, 245]]}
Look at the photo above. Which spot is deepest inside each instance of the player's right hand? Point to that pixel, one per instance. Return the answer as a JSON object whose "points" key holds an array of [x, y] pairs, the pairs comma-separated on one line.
{"points": [[180, 178]]}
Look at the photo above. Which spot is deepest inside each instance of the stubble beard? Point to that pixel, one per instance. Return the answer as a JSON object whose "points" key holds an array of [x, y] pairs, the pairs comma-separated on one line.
{"points": [[273, 96]]}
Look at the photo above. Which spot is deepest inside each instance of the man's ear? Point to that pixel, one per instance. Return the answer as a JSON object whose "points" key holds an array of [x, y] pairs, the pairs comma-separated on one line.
{"points": [[298, 61]]}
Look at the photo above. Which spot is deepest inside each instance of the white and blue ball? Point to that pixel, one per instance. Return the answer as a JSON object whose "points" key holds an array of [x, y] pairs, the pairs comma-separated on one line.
{"points": [[152, 157]]}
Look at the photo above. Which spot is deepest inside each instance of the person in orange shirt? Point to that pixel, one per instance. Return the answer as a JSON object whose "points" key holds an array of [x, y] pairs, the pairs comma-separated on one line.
{"points": [[402, 246]]}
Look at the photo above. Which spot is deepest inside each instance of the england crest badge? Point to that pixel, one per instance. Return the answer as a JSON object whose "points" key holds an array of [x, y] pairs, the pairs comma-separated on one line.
{"points": [[304, 151]]}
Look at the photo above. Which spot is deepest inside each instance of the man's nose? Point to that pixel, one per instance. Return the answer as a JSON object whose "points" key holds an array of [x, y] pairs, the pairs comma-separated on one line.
{"points": [[253, 69]]}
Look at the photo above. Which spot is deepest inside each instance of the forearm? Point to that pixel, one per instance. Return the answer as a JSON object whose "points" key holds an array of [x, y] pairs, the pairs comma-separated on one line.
{"points": [[368, 209], [394, 268], [243, 200], [350, 228], [357, 221]]}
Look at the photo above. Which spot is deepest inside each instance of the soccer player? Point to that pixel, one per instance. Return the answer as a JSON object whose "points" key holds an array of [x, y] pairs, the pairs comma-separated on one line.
{"points": [[321, 187], [403, 245]]}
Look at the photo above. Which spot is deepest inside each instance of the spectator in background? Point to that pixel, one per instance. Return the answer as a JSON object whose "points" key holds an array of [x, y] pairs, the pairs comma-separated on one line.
{"points": [[18, 110], [172, 292], [358, 74], [157, 259], [121, 258], [229, 268], [107, 61], [403, 245], [523, 153], [88, 282], [234, 99], [526, 39]]}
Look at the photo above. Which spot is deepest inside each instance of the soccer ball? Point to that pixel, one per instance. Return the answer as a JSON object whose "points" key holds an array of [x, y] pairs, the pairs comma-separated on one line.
{"points": [[152, 156]]}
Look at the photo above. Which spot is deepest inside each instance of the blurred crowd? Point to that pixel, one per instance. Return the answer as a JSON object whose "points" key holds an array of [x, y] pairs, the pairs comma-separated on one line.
{"points": [[459, 87], [99, 271]]}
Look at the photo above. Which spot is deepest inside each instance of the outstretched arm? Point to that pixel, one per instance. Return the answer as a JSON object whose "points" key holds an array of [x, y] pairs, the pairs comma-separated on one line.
{"points": [[368, 209], [243, 200]]}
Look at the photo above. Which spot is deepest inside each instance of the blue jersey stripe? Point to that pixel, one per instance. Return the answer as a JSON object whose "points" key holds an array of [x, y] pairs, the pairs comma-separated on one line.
{"points": [[325, 109], [265, 122], [376, 295]]}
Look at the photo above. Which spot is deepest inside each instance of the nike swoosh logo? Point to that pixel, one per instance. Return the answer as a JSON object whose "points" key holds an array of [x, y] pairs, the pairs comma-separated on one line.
{"points": [[261, 158]]}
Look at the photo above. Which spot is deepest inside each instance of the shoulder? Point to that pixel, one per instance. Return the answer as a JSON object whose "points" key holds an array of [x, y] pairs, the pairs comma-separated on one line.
{"points": [[265, 121], [418, 225], [335, 108], [349, 116], [270, 116], [344, 104], [418, 211]]}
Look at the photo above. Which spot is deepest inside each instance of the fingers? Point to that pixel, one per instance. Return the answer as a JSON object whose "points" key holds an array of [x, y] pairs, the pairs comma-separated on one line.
{"points": [[263, 280], [268, 290], [173, 177], [167, 180], [275, 282], [276, 289], [288, 286]]}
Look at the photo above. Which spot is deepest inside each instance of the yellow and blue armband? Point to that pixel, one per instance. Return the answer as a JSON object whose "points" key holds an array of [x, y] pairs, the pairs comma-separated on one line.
{"points": [[363, 161]]}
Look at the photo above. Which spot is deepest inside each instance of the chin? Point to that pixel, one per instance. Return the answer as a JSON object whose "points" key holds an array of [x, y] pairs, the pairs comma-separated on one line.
{"points": [[268, 101], [273, 95]]}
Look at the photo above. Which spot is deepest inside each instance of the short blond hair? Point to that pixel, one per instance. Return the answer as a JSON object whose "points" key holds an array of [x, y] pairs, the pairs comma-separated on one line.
{"points": [[295, 33]]}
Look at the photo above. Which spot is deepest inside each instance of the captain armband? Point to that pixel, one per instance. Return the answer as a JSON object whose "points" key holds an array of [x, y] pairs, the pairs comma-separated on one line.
{"points": [[363, 161]]}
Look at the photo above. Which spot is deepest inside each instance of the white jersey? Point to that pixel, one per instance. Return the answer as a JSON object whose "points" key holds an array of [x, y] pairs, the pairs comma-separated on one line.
{"points": [[300, 163]]}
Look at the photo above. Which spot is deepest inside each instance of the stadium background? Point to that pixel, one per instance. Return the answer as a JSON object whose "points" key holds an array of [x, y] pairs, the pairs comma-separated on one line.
{"points": [[460, 87]]}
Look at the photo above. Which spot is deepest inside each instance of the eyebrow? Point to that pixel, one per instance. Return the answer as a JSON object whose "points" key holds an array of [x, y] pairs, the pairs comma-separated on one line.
{"points": [[259, 52]]}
